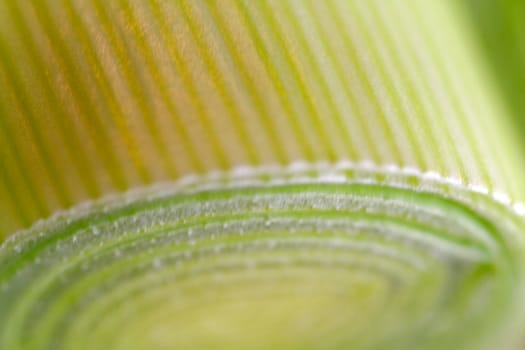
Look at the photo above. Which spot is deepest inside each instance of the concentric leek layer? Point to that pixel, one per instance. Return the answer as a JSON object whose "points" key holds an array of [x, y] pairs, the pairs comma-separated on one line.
{"points": [[341, 259]]}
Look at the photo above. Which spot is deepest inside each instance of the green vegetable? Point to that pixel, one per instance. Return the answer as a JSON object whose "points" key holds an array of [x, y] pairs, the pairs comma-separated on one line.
{"points": [[285, 175]]}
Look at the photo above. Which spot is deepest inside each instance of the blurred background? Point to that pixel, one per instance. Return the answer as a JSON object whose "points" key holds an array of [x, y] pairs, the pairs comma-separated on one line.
{"points": [[500, 27]]}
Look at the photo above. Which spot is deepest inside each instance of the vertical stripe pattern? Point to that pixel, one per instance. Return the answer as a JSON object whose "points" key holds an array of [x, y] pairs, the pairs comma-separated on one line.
{"points": [[98, 97]]}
